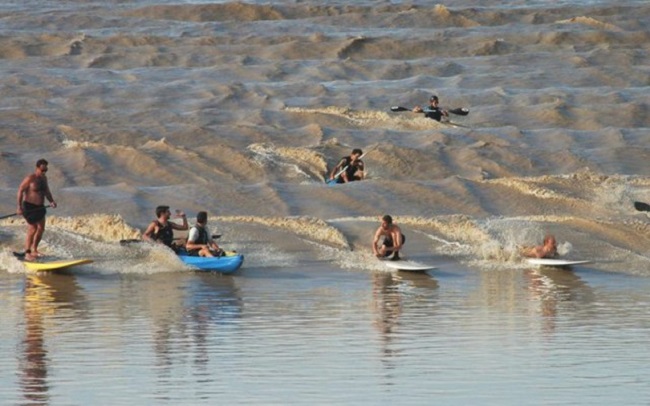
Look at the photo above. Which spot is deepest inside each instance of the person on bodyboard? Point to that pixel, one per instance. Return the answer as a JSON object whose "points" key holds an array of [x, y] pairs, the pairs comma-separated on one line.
{"points": [[548, 249]]}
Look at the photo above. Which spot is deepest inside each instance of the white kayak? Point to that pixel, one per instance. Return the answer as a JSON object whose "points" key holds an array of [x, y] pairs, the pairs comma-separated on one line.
{"points": [[555, 262]]}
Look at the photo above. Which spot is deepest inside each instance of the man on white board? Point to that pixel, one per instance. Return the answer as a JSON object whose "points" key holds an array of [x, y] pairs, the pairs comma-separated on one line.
{"points": [[393, 239]]}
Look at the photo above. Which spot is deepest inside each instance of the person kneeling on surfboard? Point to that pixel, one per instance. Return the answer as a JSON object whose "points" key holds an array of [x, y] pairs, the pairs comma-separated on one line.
{"points": [[199, 242], [432, 110], [547, 250], [161, 230], [349, 168], [393, 239]]}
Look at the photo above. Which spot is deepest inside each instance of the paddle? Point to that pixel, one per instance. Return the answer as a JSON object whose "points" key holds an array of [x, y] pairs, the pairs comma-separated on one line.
{"points": [[139, 240], [16, 214], [333, 180], [459, 111], [640, 206]]}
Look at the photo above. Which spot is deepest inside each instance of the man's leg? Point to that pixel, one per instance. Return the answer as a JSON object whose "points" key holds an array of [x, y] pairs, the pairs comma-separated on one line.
{"points": [[29, 241], [38, 234]]}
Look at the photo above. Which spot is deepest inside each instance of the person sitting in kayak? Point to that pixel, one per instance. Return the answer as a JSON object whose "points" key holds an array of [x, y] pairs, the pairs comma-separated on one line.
{"points": [[393, 239], [547, 250], [432, 110], [200, 242], [352, 167], [161, 230]]}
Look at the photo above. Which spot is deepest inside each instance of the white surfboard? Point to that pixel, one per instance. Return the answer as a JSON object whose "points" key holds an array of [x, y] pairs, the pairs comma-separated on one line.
{"points": [[555, 262], [405, 265]]}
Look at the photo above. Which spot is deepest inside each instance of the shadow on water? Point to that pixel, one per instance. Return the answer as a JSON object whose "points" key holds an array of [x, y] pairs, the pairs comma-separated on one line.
{"points": [[45, 296]]}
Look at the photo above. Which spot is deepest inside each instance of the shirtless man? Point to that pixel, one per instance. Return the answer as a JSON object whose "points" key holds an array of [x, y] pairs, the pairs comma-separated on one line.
{"points": [[393, 239], [32, 193], [547, 250]]}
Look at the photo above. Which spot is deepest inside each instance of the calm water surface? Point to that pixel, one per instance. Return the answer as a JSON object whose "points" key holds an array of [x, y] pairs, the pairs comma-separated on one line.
{"points": [[327, 336]]}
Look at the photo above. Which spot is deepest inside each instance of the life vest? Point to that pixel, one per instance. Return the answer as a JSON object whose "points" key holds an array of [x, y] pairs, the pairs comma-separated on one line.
{"points": [[351, 169], [165, 234], [203, 235]]}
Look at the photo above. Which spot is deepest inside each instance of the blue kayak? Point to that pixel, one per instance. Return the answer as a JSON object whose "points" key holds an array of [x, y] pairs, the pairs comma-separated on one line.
{"points": [[227, 264]]}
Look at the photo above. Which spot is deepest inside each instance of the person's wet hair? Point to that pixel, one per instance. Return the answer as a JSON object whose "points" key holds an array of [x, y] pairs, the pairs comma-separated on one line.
{"points": [[160, 210], [202, 217]]}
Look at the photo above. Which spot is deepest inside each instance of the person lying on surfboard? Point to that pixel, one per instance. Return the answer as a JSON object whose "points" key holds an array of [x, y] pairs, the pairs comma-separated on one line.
{"points": [[547, 250], [161, 230], [392, 239], [351, 168], [199, 241], [432, 111]]}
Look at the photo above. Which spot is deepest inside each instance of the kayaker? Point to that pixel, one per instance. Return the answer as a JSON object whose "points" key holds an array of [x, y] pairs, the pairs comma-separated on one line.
{"points": [[32, 192], [161, 230], [352, 167], [393, 239], [432, 111], [548, 249], [200, 242]]}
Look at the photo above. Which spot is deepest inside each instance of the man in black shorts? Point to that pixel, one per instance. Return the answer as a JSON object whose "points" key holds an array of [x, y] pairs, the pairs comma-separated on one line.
{"points": [[393, 239], [32, 192]]}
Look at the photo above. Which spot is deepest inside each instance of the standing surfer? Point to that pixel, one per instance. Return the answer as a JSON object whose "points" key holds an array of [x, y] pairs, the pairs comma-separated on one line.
{"points": [[393, 239], [32, 192]]}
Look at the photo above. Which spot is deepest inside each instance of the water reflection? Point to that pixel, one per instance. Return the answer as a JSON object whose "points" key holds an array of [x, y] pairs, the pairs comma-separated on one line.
{"points": [[555, 288], [189, 321], [392, 293], [213, 300], [44, 295]]}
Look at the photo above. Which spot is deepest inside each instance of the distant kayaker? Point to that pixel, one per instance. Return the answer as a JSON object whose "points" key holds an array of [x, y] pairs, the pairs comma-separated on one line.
{"points": [[352, 167], [547, 250], [432, 110], [32, 192], [200, 242], [161, 230], [392, 239]]}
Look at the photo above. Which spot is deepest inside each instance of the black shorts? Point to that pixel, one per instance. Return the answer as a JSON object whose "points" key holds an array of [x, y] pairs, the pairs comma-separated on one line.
{"points": [[33, 213], [388, 242]]}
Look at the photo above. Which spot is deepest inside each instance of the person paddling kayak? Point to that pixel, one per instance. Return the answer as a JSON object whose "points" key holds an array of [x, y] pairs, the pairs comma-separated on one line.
{"points": [[161, 230], [199, 242], [432, 111], [349, 168]]}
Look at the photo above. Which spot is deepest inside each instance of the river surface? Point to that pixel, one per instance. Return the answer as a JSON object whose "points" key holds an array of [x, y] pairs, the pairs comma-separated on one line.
{"points": [[242, 109]]}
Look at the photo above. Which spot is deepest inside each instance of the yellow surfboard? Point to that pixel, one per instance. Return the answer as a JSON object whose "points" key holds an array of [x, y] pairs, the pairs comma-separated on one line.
{"points": [[55, 265]]}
